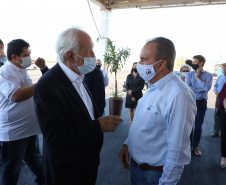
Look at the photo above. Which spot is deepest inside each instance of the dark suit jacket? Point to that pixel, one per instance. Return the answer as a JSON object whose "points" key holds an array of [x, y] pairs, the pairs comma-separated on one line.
{"points": [[71, 140], [95, 83]]}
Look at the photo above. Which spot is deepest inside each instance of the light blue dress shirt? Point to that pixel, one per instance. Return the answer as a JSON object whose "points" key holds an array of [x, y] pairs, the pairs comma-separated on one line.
{"points": [[197, 85], [3, 60], [219, 83], [161, 128]]}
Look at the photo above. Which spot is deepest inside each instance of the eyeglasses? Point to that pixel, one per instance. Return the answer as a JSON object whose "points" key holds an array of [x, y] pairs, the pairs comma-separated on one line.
{"points": [[185, 71]]}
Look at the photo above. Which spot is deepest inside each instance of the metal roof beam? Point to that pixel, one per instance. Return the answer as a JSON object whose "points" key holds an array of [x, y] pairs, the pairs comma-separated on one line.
{"points": [[150, 4]]}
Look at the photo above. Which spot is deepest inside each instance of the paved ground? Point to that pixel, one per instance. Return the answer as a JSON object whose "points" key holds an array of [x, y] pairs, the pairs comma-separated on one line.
{"points": [[203, 170]]}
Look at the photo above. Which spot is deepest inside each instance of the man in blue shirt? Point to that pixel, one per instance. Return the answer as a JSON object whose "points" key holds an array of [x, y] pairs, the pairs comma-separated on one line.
{"points": [[3, 57], [159, 138], [217, 89], [200, 82]]}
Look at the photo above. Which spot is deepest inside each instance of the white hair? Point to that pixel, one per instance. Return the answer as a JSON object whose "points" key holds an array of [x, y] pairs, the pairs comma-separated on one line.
{"points": [[185, 65], [67, 40]]}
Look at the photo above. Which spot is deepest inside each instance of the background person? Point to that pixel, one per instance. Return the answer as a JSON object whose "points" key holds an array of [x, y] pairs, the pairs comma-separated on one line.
{"points": [[184, 69], [3, 57], [222, 118], [217, 89], [106, 79], [19, 128], [95, 82], [71, 126], [188, 62], [158, 141], [200, 82], [134, 86]]}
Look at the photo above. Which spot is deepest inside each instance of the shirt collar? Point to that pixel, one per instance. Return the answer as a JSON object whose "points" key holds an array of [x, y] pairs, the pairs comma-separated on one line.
{"points": [[13, 66], [72, 76], [3, 60], [163, 81]]}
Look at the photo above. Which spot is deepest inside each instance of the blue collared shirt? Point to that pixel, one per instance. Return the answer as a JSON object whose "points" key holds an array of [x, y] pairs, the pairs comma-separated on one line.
{"points": [[3, 60], [199, 87], [219, 83], [160, 132]]}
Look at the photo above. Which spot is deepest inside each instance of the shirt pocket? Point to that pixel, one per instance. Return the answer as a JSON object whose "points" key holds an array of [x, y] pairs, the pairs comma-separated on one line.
{"points": [[148, 118]]}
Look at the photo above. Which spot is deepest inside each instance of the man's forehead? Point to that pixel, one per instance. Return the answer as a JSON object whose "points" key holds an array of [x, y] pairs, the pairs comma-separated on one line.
{"points": [[148, 49]]}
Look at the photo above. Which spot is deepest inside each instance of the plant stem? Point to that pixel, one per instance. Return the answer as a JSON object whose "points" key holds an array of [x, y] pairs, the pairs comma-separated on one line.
{"points": [[116, 93]]}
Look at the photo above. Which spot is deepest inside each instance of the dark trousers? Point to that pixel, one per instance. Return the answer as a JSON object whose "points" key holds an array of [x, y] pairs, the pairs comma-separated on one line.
{"points": [[223, 132], [199, 119], [13, 153], [216, 118]]}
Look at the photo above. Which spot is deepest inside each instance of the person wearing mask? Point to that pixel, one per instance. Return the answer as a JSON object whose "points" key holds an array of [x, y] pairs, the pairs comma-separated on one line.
{"points": [[134, 86], [95, 82], [158, 141], [19, 128], [69, 120], [3, 57], [217, 89], [221, 111], [106, 79], [200, 82], [184, 69]]}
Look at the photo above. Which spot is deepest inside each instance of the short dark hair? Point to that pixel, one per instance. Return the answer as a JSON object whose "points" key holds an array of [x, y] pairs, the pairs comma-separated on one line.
{"points": [[165, 51], [189, 62], [16, 47], [1, 43], [200, 58], [132, 67]]}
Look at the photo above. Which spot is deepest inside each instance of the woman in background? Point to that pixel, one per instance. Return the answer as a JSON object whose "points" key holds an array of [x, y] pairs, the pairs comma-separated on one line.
{"points": [[185, 68], [134, 86], [221, 110]]}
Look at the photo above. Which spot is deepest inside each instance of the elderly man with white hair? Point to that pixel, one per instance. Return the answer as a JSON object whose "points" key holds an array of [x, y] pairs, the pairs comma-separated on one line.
{"points": [[71, 126]]}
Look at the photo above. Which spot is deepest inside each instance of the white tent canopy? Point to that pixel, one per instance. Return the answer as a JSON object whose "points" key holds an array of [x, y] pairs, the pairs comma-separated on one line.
{"points": [[150, 4]]}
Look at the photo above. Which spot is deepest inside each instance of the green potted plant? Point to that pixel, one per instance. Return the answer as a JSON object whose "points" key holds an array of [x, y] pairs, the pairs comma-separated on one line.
{"points": [[114, 59]]}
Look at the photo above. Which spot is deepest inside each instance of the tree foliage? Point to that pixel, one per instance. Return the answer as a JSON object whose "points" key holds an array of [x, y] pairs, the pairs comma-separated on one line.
{"points": [[115, 59]]}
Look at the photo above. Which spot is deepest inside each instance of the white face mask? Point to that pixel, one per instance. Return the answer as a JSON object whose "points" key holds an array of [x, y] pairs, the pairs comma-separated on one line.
{"points": [[26, 61], [146, 72], [88, 66], [183, 73]]}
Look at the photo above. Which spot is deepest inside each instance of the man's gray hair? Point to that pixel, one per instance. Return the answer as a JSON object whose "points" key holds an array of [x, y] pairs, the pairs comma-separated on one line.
{"points": [[67, 40], [165, 51], [185, 65]]}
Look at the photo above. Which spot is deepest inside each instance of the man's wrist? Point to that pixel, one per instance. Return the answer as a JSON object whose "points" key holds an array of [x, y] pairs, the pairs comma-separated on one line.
{"points": [[43, 67]]}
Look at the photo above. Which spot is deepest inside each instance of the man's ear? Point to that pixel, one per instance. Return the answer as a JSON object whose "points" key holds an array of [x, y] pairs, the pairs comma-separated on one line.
{"points": [[14, 57], [162, 65], [69, 55]]}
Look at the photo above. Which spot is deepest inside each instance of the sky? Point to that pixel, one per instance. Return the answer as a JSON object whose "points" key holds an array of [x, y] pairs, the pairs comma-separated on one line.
{"points": [[194, 30]]}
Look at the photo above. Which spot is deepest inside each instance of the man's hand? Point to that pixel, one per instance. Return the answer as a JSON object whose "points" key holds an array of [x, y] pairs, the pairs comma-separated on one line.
{"points": [[133, 99], [129, 92], [224, 104], [109, 123], [217, 93], [202, 90], [198, 72], [124, 156], [40, 62]]}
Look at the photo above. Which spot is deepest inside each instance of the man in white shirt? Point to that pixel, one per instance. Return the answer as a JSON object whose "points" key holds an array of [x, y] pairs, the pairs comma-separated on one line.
{"points": [[19, 128], [106, 79], [71, 126], [159, 138]]}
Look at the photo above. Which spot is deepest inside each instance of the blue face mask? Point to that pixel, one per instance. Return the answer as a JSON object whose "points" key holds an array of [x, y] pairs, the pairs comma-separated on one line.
{"points": [[88, 66], [26, 61]]}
